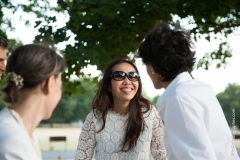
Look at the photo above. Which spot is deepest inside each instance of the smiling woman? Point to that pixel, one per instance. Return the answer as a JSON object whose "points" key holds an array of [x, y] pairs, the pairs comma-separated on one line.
{"points": [[123, 124], [123, 89]]}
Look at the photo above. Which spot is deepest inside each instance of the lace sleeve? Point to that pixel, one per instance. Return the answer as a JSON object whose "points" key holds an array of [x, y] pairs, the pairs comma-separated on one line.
{"points": [[87, 140], [157, 147]]}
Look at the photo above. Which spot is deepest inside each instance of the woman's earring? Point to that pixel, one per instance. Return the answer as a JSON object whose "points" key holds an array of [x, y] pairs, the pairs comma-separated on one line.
{"points": [[153, 72]]}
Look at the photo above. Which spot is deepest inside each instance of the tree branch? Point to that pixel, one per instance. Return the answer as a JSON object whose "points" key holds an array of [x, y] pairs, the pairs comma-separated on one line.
{"points": [[62, 4]]}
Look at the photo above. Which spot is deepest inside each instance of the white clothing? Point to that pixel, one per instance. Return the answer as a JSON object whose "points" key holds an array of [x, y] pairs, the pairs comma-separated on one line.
{"points": [[108, 142], [15, 143], [195, 127]]}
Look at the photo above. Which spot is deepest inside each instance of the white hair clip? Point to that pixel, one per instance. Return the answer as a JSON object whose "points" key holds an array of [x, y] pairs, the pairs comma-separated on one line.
{"points": [[17, 79]]}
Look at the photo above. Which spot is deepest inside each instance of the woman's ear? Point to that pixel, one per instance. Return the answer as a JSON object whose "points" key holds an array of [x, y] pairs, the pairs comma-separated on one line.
{"points": [[49, 84]]}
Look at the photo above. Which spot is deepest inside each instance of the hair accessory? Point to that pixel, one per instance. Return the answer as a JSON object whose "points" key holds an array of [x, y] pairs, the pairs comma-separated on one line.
{"points": [[153, 72], [17, 79]]}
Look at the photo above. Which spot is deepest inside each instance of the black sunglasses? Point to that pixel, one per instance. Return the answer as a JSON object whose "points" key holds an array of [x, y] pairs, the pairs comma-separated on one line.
{"points": [[120, 75]]}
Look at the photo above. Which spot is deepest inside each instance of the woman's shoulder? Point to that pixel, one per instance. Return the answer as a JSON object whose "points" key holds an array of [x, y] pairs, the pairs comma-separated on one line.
{"points": [[90, 115], [22, 147], [150, 111], [4, 114], [9, 126], [94, 114], [150, 108], [13, 135], [153, 109]]}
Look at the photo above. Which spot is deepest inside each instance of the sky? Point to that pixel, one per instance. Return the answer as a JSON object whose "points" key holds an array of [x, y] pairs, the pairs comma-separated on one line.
{"points": [[217, 78]]}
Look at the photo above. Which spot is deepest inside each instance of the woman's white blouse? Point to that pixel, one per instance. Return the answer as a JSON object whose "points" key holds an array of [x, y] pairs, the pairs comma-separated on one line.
{"points": [[15, 143], [108, 142]]}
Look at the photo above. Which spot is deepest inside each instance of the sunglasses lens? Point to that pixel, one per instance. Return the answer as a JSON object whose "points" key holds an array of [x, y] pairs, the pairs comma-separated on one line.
{"points": [[119, 76], [133, 76]]}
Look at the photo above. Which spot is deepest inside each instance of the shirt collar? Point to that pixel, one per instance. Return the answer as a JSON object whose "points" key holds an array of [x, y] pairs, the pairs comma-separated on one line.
{"points": [[182, 77]]}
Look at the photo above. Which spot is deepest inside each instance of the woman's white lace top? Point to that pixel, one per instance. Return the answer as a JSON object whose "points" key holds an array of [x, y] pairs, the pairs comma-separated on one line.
{"points": [[34, 141], [108, 142]]}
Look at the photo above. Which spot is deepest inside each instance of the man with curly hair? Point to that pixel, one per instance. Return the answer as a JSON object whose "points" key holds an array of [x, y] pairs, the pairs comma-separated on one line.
{"points": [[195, 127], [3, 55]]}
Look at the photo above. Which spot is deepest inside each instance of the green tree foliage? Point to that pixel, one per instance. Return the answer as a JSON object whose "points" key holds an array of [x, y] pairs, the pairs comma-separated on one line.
{"points": [[32, 7], [154, 100], [2, 103], [105, 29], [74, 107], [230, 102]]}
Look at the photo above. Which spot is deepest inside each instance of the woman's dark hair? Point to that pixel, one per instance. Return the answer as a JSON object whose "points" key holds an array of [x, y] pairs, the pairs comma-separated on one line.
{"points": [[168, 51], [35, 64], [103, 101]]}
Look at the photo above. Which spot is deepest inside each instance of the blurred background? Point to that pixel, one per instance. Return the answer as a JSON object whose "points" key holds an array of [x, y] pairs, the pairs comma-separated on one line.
{"points": [[90, 33]]}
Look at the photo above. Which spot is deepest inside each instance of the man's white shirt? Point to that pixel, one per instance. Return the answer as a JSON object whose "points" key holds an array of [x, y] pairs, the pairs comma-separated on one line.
{"points": [[195, 127]]}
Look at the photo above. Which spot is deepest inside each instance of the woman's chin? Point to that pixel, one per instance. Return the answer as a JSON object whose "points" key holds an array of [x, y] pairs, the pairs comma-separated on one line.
{"points": [[47, 116]]}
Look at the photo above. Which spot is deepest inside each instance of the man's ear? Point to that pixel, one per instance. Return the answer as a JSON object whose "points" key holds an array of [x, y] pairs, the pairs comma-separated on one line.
{"points": [[49, 84], [161, 77]]}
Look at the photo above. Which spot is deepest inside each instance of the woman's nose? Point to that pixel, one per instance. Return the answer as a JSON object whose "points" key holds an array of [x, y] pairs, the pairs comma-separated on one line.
{"points": [[126, 80]]}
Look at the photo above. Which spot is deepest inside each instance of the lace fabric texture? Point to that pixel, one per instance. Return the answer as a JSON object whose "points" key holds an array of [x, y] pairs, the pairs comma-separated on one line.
{"points": [[107, 143]]}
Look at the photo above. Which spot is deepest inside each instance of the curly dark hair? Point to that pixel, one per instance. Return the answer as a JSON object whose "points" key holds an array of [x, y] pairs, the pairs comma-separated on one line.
{"points": [[168, 51]]}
